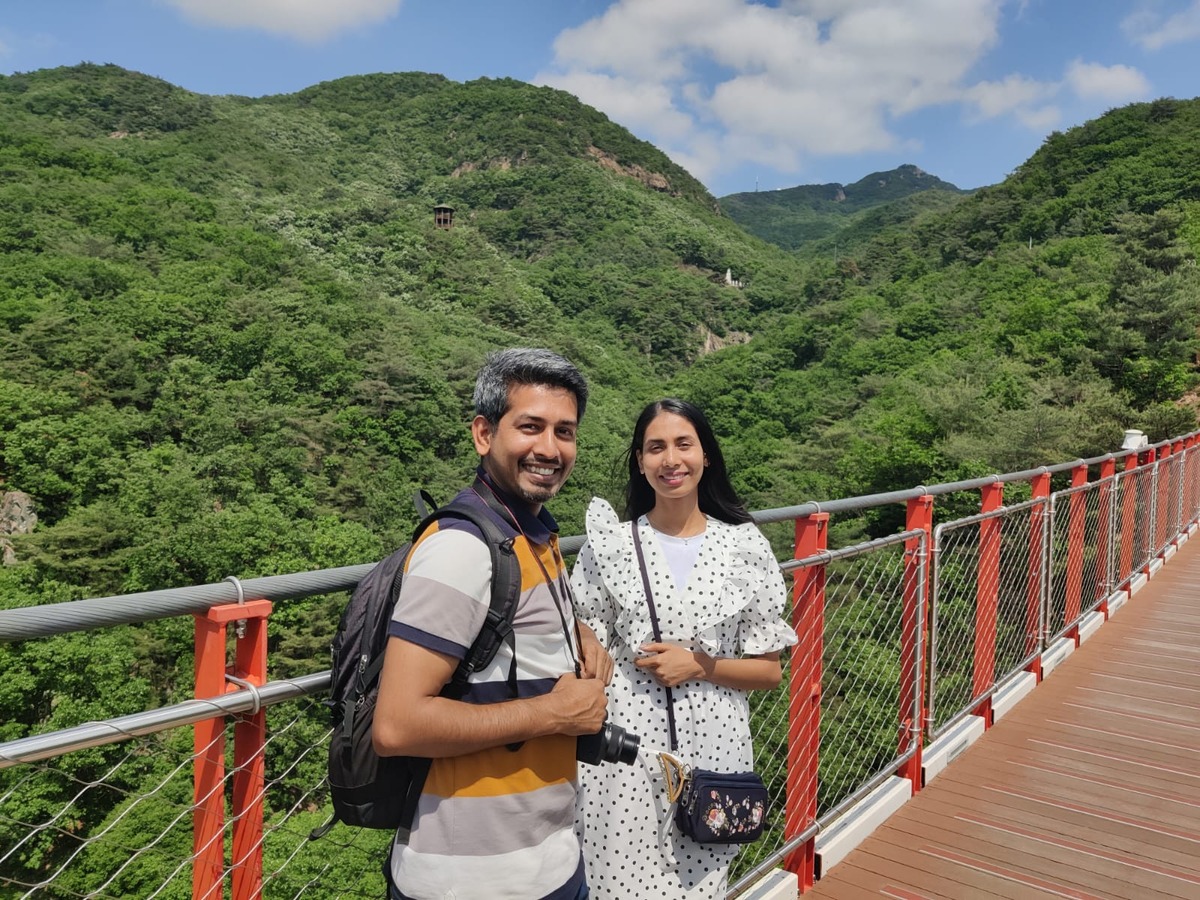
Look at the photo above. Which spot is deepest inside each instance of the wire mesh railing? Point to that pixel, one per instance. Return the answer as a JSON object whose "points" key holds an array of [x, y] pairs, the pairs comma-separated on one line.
{"points": [[1190, 491], [1161, 505], [769, 727], [986, 613], [109, 823], [1080, 526], [1191, 486], [863, 738], [344, 862], [142, 843], [108, 809], [1133, 521], [861, 728]]}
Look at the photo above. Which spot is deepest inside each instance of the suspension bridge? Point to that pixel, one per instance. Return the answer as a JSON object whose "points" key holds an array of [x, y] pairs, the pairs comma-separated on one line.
{"points": [[996, 697]]}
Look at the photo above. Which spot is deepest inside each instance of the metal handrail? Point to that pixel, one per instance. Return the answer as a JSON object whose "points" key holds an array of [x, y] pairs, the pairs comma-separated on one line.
{"points": [[34, 621], [25, 622], [112, 731]]}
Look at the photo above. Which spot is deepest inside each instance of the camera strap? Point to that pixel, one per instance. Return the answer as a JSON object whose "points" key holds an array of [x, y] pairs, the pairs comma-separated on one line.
{"points": [[576, 648]]}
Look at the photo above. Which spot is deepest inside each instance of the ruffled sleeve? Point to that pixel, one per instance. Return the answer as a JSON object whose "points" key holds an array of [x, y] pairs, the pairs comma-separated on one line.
{"points": [[593, 604], [756, 577], [609, 585]]}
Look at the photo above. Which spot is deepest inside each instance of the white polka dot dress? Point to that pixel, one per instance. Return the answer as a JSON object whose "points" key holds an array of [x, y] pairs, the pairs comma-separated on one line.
{"points": [[732, 606]]}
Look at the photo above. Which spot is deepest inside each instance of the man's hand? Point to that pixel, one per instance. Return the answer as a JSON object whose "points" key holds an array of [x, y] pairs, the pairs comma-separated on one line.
{"points": [[672, 664], [578, 704], [597, 661]]}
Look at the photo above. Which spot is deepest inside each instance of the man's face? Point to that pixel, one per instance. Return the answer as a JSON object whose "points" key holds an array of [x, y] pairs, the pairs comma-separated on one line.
{"points": [[531, 451]]}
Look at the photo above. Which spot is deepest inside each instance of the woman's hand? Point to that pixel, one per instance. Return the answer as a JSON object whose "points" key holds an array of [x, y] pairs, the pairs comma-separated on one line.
{"points": [[673, 664], [596, 661]]}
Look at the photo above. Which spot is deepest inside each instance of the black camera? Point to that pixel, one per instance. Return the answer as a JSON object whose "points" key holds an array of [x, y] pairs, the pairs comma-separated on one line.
{"points": [[611, 743]]}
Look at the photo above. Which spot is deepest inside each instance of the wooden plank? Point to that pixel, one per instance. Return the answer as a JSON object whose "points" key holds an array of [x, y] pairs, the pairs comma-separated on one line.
{"points": [[945, 872], [1041, 850], [1102, 826]]}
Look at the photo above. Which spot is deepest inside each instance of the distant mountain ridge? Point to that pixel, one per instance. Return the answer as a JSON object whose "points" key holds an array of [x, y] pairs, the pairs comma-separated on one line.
{"points": [[868, 191], [792, 217]]}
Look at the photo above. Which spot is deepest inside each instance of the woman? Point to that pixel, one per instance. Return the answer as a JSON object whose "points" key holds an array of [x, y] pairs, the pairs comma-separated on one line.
{"points": [[718, 595]]}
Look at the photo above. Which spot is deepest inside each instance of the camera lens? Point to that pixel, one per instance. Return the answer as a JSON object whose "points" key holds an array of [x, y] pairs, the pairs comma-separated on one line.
{"points": [[620, 745], [611, 743]]}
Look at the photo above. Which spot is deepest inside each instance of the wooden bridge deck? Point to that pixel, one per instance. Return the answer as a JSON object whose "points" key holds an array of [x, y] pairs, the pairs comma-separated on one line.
{"points": [[1088, 788]]}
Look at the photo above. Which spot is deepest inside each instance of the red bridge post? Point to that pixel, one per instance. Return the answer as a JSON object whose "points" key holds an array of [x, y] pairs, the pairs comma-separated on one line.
{"points": [[914, 630], [249, 743], [804, 713], [208, 779], [987, 599]]}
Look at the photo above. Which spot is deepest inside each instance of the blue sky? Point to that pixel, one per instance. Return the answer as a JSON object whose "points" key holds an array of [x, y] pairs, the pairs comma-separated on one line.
{"points": [[743, 94]]}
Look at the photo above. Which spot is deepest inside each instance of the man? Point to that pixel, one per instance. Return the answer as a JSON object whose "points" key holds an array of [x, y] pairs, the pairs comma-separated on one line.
{"points": [[496, 816]]}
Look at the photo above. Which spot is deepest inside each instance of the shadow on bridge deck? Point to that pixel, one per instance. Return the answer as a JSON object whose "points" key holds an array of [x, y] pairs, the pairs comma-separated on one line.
{"points": [[1088, 788]]}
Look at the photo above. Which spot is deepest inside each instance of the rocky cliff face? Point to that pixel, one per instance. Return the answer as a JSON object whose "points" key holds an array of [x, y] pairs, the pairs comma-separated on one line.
{"points": [[16, 517]]}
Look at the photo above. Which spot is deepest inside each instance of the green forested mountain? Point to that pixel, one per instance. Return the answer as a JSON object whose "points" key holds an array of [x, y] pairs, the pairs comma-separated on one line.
{"points": [[245, 304], [234, 342], [797, 217]]}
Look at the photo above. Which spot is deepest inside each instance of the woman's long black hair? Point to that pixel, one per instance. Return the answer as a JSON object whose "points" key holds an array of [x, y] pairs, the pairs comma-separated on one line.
{"points": [[717, 496]]}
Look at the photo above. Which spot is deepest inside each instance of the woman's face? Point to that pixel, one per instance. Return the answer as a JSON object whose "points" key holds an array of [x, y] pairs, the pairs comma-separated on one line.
{"points": [[671, 457]]}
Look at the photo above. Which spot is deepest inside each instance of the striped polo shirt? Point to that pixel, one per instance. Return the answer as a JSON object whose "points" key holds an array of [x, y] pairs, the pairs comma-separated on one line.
{"points": [[496, 823]]}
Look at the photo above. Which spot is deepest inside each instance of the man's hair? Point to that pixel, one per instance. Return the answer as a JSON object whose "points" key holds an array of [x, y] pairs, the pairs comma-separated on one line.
{"points": [[524, 365]]}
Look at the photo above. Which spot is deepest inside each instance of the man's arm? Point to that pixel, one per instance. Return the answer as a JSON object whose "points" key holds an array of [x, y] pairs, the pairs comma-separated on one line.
{"points": [[412, 720]]}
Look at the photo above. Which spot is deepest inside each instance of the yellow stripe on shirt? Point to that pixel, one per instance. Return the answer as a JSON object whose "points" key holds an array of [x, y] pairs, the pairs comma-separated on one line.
{"points": [[498, 771]]}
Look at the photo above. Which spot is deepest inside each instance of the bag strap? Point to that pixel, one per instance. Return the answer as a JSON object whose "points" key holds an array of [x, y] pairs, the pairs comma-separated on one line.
{"points": [[485, 492], [637, 546]]}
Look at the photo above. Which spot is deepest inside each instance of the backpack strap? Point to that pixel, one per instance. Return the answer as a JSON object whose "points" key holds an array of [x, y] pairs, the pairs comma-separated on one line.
{"points": [[424, 503], [506, 592]]}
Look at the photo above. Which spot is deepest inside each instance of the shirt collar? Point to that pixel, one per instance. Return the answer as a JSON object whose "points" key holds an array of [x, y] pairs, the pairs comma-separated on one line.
{"points": [[539, 529]]}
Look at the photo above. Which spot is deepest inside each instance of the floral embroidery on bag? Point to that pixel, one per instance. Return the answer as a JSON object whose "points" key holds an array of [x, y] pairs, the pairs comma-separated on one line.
{"points": [[729, 816]]}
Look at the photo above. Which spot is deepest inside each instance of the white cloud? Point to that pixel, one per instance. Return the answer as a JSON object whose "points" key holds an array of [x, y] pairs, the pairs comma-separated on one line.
{"points": [[806, 119], [1148, 28], [1115, 84], [720, 83], [1040, 119], [635, 104], [306, 20], [1015, 95], [1032, 102]]}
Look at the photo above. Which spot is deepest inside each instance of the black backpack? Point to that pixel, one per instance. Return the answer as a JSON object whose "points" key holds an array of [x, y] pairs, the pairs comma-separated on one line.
{"points": [[368, 790]]}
